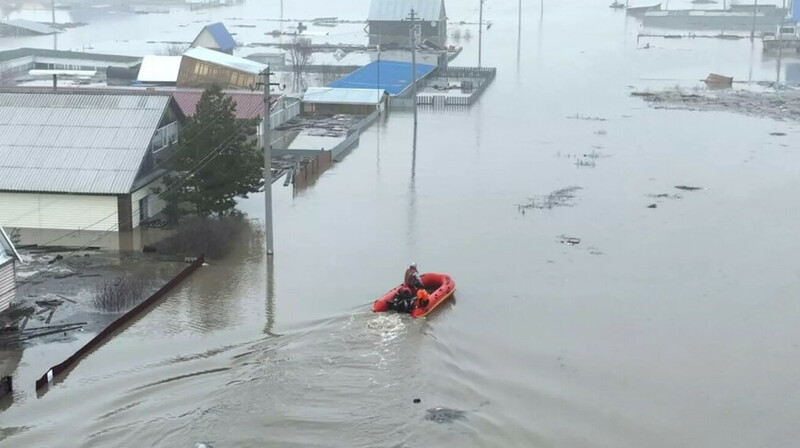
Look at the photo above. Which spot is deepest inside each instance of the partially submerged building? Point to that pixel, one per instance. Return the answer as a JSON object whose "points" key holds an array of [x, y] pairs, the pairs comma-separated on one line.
{"points": [[332, 101], [202, 68], [83, 160], [215, 37], [159, 70], [22, 27], [389, 21], [18, 63], [393, 77], [8, 278]]}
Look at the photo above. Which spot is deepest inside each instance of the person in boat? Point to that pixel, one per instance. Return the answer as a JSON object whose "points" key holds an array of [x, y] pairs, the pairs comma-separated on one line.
{"points": [[406, 298], [412, 278]]}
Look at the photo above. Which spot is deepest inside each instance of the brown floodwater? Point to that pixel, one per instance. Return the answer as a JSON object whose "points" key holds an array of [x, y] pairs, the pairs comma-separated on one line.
{"points": [[668, 326]]}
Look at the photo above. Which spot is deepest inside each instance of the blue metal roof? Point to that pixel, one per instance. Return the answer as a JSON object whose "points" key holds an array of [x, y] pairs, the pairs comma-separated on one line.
{"points": [[222, 36], [391, 76]]}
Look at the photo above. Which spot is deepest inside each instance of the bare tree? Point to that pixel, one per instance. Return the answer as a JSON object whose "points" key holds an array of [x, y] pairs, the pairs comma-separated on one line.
{"points": [[300, 57], [173, 49]]}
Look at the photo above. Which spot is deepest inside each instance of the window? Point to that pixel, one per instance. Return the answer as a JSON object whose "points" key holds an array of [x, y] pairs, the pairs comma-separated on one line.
{"points": [[234, 79], [144, 213]]}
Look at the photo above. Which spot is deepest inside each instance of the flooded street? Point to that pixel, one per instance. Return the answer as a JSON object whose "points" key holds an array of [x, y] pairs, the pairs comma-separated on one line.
{"points": [[665, 326]]}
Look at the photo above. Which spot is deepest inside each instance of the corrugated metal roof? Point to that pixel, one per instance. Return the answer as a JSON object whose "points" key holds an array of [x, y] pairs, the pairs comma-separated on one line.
{"points": [[391, 76], [31, 26], [75, 143], [397, 10], [10, 55], [159, 69], [249, 105], [222, 36], [7, 249], [329, 95], [225, 60]]}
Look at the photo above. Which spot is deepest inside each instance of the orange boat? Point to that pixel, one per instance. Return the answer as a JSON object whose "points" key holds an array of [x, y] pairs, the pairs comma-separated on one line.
{"points": [[440, 287]]}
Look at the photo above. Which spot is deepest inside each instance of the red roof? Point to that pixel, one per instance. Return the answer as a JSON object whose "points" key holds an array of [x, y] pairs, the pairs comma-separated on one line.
{"points": [[248, 104]]}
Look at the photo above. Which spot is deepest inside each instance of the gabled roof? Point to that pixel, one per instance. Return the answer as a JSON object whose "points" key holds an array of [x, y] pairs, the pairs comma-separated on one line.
{"points": [[249, 105], [225, 60], [7, 249], [397, 10], [220, 35], [80, 143], [329, 95]]}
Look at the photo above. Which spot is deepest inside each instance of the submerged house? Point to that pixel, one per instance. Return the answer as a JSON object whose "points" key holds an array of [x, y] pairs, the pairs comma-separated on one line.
{"points": [[332, 101], [389, 21], [8, 259], [202, 68], [81, 159], [215, 37]]}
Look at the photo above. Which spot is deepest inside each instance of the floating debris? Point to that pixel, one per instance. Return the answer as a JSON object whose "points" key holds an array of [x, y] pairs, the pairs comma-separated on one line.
{"points": [[569, 240], [559, 198], [780, 104], [687, 188], [585, 118], [665, 196], [652, 206], [601, 132], [445, 415], [778, 134]]}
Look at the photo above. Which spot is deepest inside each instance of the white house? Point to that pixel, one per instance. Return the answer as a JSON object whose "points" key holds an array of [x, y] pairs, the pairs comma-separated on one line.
{"points": [[85, 160], [8, 259]]}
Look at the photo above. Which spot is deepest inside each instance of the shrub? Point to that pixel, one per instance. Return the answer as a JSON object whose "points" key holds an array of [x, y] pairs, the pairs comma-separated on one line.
{"points": [[121, 293]]}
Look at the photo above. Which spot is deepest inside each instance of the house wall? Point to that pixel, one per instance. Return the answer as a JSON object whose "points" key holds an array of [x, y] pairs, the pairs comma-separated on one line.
{"points": [[8, 290], [58, 211], [205, 40], [199, 74], [154, 203], [398, 32], [350, 109]]}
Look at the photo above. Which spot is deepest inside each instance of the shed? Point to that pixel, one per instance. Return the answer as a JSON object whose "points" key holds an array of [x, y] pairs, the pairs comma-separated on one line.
{"points": [[215, 37], [8, 278], [392, 76], [388, 21], [159, 70], [201, 68], [329, 100]]}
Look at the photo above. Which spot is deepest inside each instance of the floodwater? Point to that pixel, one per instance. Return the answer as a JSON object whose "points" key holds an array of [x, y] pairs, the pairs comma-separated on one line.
{"points": [[668, 326]]}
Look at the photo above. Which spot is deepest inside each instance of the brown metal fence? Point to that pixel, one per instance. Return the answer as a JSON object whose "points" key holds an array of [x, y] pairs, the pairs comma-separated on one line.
{"points": [[126, 318]]}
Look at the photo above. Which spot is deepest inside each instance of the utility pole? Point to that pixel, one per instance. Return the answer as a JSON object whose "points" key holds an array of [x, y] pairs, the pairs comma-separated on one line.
{"points": [[413, 17], [266, 142], [753, 30], [480, 34]]}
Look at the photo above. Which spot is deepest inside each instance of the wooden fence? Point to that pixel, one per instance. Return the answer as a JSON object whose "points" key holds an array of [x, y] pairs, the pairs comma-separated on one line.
{"points": [[125, 319]]}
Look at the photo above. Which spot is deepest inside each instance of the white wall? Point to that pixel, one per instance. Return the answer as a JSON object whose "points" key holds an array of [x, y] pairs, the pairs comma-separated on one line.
{"points": [[58, 211], [205, 40], [155, 204], [7, 285]]}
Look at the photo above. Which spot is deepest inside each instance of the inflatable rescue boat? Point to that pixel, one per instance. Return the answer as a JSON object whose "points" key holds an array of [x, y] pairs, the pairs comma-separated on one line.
{"points": [[439, 286]]}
